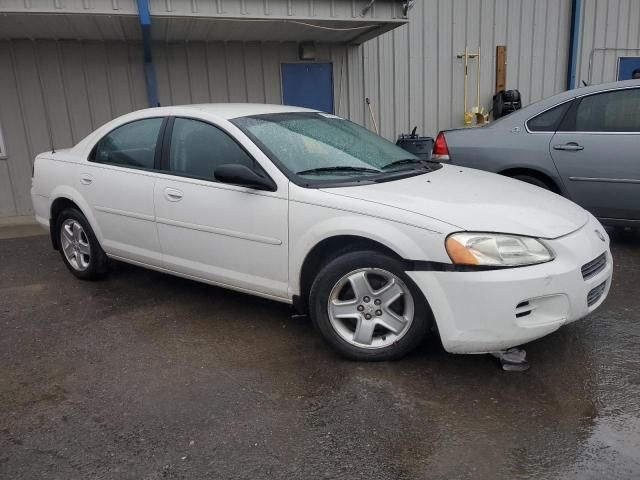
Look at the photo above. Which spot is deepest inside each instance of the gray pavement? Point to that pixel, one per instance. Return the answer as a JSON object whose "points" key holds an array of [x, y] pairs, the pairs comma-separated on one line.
{"points": [[148, 376]]}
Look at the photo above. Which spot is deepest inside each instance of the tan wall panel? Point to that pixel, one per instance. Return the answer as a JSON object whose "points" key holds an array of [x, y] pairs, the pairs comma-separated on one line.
{"points": [[608, 30], [86, 84], [414, 78], [411, 74]]}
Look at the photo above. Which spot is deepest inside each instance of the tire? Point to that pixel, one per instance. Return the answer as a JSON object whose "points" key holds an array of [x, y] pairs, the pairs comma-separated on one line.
{"points": [[538, 182], [79, 248], [344, 317]]}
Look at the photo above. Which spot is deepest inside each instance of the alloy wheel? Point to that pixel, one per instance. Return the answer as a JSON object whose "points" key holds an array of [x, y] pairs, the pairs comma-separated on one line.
{"points": [[370, 308], [75, 244]]}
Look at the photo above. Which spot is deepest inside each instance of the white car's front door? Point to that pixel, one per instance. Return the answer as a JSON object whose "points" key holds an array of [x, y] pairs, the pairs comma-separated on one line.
{"points": [[117, 182], [230, 235]]}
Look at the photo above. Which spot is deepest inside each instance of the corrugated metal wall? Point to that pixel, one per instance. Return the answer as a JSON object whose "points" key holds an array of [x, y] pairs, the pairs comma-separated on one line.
{"points": [[411, 74], [613, 25], [309, 9], [79, 85], [414, 78], [82, 85]]}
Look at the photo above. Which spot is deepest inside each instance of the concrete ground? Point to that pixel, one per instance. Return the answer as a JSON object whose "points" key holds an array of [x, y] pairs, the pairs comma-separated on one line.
{"points": [[147, 376]]}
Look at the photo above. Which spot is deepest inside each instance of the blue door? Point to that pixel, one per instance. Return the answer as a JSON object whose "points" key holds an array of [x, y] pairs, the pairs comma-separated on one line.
{"points": [[626, 67], [308, 85]]}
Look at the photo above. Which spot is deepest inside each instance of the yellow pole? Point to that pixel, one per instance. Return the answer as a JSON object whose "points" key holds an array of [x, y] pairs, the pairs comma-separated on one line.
{"points": [[478, 80], [466, 73]]}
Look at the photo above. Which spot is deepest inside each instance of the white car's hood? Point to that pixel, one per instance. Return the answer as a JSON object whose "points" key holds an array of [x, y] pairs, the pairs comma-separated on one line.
{"points": [[474, 200]]}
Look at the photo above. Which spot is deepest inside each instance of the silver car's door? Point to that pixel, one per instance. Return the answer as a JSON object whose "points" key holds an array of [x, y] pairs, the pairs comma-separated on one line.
{"points": [[597, 152]]}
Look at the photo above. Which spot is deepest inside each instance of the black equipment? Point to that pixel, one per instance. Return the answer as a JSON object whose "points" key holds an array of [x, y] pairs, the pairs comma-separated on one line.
{"points": [[505, 102], [420, 146]]}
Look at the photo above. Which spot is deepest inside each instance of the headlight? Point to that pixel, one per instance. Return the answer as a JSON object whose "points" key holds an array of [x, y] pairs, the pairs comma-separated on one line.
{"points": [[495, 249]]}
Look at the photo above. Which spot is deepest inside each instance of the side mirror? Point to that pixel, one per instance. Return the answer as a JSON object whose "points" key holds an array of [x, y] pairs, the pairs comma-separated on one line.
{"points": [[243, 176]]}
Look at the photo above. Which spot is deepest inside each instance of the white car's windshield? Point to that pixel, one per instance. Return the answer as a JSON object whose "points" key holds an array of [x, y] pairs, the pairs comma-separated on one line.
{"points": [[320, 146]]}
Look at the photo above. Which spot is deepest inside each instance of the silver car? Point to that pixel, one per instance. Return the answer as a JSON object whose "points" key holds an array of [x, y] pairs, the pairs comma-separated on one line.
{"points": [[583, 144]]}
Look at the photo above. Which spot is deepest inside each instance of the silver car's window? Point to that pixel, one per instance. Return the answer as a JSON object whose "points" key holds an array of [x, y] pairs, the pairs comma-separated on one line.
{"points": [[130, 145], [548, 120], [615, 111]]}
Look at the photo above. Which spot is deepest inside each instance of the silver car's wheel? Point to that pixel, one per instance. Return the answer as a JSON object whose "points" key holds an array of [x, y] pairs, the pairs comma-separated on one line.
{"points": [[75, 244], [370, 308]]}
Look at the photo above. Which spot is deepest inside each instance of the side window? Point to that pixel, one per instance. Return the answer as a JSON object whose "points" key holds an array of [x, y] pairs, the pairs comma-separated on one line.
{"points": [[131, 145], [197, 148], [548, 121], [3, 151], [616, 111]]}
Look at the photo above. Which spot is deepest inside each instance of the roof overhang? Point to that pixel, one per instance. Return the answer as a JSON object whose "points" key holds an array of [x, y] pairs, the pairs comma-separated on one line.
{"points": [[173, 29], [329, 21]]}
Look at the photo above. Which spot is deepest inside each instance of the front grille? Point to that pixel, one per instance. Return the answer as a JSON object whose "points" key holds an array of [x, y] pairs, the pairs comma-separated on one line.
{"points": [[595, 293], [594, 267]]}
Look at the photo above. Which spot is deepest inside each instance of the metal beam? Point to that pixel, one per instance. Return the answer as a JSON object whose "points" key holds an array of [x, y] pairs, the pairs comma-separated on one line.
{"points": [[149, 70], [573, 43]]}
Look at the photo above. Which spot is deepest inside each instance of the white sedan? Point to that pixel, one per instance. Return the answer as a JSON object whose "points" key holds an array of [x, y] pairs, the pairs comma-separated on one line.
{"points": [[299, 206]]}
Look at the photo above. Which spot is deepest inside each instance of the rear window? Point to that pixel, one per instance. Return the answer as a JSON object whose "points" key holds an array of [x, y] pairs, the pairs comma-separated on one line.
{"points": [[549, 120], [130, 145]]}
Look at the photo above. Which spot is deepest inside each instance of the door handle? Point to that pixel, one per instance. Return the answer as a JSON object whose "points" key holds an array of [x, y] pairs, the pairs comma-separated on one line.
{"points": [[86, 179], [172, 194], [571, 147]]}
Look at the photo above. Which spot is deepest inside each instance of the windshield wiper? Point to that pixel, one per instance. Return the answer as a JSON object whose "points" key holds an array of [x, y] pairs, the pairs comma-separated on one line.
{"points": [[344, 168], [405, 161]]}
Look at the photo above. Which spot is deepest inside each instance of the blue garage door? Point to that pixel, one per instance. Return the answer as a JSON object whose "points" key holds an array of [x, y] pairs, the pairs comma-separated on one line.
{"points": [[308, 85]]}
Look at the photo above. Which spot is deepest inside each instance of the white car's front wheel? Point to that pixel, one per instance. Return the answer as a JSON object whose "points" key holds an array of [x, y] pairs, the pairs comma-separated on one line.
{"points": [[367, 308]]}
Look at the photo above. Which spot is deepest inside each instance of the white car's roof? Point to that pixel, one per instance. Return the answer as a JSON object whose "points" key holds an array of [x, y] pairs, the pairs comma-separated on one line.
{"points": [[224, 111], [233, 110]]}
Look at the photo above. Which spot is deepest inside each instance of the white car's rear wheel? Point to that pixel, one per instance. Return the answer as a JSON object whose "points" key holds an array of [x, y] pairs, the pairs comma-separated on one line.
{"points": [[367, 308], [79, 247], [75, 245]]}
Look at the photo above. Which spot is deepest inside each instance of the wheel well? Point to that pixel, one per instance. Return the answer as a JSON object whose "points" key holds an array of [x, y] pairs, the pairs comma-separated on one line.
{"points": [[57, 207], [327, 250], [543, 177]]}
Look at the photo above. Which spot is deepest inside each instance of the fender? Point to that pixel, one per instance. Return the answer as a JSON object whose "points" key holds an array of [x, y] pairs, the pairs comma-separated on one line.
{"points": [[394, 236], [70, 193]]}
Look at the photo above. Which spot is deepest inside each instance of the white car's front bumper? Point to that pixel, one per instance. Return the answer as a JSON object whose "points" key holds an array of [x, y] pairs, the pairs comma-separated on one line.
{"points": [[486, 311]]}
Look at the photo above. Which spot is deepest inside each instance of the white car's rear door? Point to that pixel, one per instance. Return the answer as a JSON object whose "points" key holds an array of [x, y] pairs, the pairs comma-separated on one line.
{"points": [[117, 182]]}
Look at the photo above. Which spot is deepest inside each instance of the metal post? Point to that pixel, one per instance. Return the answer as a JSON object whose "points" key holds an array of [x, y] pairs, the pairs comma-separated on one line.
{"points": [[466, 77], [149, 70], [573, 43], [478, 81]]}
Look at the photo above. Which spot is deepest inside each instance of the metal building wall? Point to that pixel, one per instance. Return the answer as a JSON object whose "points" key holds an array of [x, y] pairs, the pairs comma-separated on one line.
{"points": [[252, 9], [82, 85], [413, 77], [613, 25], [77, 85], [197, 72]]}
